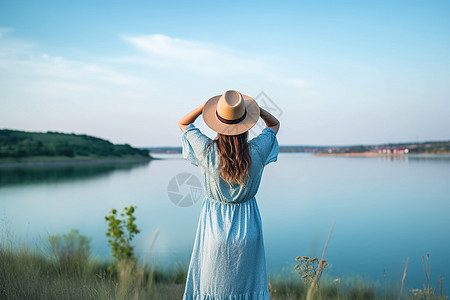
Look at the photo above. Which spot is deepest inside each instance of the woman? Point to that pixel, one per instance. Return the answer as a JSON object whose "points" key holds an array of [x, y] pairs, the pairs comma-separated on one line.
{"points": [[228, 260]]}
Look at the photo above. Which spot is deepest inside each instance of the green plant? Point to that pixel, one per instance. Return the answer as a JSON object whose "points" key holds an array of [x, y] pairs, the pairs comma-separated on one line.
{"points": [[71, 250], [121, 231]]}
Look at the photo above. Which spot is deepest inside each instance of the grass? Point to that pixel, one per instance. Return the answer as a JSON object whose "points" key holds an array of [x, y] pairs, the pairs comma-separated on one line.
{"points": [[25, 274], [29, 275], [67, 271], [291, 288]]}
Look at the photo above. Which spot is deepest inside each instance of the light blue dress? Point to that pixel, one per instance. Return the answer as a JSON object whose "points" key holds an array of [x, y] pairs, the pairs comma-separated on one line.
{"points": [[228, 260]]}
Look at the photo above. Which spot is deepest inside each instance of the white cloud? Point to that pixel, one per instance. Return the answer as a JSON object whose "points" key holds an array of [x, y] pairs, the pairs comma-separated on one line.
{"points": [[40, 91], [4, 31], [197, 58], [46, 66], [295, 82], [202, 58], [55, 92], [11, 48], [171, 47], [23, 65]]}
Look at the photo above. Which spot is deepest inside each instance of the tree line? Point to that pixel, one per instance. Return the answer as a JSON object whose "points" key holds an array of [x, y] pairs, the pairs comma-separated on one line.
{"points": [[17, 144]]}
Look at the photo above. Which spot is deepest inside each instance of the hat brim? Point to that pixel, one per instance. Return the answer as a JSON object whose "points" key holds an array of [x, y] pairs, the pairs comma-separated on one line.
{"points": [[210, 117]]}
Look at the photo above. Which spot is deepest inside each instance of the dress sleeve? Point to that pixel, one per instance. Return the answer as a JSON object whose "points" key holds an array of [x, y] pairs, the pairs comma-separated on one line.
{"points": [[194, 144], [267, 145]]}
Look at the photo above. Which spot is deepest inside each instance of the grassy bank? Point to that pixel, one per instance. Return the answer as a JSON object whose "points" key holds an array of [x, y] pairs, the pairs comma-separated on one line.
{"points": [[26, 274], [65, 269], [29, 275]]}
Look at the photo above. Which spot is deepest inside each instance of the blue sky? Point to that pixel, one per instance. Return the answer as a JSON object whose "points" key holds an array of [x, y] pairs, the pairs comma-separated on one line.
{"points": [[342, 72]]}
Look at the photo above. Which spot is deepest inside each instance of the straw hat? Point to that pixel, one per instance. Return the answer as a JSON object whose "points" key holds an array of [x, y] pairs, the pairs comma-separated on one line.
{"points": [[231, 113]]}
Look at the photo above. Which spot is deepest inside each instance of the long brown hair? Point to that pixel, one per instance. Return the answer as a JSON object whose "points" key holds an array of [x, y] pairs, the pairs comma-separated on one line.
{"points": [[235, 158]]}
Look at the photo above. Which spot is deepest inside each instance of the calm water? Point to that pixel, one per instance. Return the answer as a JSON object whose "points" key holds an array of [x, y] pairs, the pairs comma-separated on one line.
{"points": [[386, 210]]}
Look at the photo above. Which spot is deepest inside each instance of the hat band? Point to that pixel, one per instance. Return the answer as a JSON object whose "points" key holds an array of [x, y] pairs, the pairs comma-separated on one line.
{"points": [[235, 121]]}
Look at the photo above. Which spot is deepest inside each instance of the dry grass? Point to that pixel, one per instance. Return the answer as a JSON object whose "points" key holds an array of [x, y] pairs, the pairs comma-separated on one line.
{"points": [[26, 274]]}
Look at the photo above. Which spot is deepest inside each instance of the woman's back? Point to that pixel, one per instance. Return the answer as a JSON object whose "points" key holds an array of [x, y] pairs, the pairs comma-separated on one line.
{"points": [[263, 150]]}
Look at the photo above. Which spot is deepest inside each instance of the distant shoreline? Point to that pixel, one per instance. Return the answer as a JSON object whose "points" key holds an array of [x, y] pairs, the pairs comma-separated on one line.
{"points": [[73, 162], [374, 154]]}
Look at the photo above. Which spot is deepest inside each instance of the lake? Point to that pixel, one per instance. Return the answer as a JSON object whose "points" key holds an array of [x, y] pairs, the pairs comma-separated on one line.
{"points": [[385, 209]]}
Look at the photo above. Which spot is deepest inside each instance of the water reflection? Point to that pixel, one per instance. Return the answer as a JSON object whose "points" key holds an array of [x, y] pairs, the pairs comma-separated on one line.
{"points": [[429, 158], [438, 158], [10, 176]]}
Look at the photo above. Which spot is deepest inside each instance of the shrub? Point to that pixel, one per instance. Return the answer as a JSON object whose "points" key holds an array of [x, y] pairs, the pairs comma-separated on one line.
{"points": [[71, 250], [121, 231]]}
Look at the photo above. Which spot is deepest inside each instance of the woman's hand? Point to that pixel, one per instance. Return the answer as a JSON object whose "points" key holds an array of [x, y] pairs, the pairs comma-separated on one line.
{"points": [[190, 117]]}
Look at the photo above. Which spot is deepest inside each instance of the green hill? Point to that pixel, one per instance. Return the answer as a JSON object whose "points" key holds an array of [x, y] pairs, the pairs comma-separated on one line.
{"points": [[22, 146]]}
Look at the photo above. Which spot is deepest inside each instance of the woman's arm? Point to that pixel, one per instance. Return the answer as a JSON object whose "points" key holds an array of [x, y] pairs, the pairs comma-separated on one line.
{"points": [[269, 119], [190, 117]]}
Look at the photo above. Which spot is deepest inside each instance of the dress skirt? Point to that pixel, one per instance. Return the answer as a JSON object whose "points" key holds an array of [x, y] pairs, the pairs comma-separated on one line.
{"points": [[228, 259]]}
